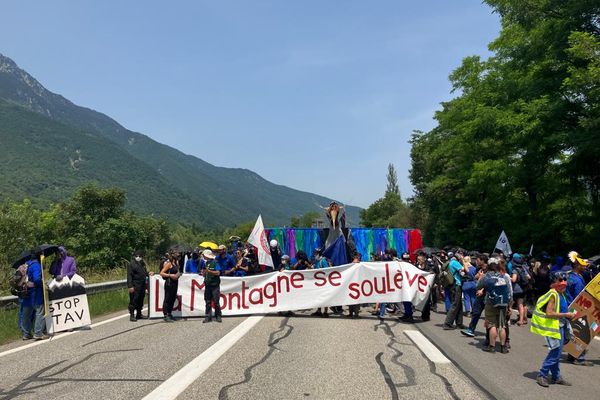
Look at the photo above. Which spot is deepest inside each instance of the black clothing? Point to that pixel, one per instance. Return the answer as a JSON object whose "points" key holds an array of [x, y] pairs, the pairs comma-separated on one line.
{"points": [[212, 293], [136, 279], [456, 311], [171, 286], [276, 256], [136, 274]]}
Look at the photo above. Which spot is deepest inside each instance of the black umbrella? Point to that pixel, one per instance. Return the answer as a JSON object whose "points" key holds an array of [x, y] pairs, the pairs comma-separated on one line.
{"points": [[428, 250], [594, 259], [23, 258], [45, 249], [181, 249]]}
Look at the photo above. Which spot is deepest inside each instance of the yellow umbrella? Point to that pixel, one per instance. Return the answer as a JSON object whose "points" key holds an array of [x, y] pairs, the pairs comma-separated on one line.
{"points": [[210, 245]]}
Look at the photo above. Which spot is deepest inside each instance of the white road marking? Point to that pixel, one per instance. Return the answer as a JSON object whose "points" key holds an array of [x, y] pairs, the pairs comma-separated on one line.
{"points": [[428, 348], [177, 383], [61, 335]]}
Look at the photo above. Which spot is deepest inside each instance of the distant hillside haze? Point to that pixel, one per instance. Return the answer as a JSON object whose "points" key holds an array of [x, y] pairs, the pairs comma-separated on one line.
{"points": [[52, 146]]}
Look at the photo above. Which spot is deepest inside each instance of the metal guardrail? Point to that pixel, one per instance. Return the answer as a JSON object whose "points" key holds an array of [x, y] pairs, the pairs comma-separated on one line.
{"points": [[11, 301]]}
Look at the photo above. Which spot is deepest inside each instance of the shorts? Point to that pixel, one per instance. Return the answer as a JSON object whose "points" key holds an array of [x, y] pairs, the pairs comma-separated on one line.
{"points": [[495, 316]]}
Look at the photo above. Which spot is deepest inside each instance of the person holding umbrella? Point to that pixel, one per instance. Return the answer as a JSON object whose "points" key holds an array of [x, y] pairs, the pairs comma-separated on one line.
{"points": [[33, 303]]}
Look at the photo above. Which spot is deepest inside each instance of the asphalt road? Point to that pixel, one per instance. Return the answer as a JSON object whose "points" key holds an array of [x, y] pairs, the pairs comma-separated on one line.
{"points": [[301, 357]]}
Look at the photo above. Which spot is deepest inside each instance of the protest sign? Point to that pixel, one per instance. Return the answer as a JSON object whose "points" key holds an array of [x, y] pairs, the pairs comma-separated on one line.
{"points": [[369, 282], [593, 287], [586, 324], [68, 306]]}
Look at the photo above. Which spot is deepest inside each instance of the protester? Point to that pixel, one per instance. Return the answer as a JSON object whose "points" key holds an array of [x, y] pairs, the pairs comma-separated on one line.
{"points": [[171, 273], [285, 263], [225, 262], [497, 288], [520, 283], [319, 263], [540, 274], [212, 289], [33, 303], [192, 265], [302, 261], [468, 286], [137, 275], [550, 320], [354, 309], [63, 265], [456, 311], [275, 254], [576, 285], [478, 305]]}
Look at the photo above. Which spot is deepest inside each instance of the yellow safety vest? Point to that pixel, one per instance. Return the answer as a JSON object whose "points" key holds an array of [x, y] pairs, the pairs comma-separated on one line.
{"points": [[540, 323]]}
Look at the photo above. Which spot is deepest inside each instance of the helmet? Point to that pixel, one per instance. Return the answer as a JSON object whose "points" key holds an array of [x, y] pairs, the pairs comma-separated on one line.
{"points": [[273, 243]]}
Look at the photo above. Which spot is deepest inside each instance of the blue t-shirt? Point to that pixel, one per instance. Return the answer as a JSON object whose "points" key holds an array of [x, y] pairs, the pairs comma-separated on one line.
{"points": [[191, 266], [455, 267], [575, 285], [224, 263], [564, 305]]}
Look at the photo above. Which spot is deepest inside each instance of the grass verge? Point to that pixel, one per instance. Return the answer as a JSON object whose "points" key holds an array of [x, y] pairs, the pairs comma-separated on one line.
{"points": [[100, 304]]}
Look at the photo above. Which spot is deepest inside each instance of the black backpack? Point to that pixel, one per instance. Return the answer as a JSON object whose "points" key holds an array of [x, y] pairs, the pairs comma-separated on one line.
{"points": [[18, 282]]}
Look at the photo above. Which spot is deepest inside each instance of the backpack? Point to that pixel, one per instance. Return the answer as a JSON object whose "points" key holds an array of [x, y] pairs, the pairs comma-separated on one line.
{"points": [[497, 289], [18, 282], [446, 277]]}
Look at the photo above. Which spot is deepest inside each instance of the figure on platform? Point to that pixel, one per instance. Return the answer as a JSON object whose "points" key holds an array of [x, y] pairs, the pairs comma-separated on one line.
{"points": [[337, 222]]}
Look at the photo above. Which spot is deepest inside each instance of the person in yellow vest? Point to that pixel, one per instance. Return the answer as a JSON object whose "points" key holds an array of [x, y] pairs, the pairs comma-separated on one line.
{"points": [[550, 320]]}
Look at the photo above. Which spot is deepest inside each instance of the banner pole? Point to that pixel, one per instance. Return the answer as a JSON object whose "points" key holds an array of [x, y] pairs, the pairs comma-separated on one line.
{"points": [[44, 288]]}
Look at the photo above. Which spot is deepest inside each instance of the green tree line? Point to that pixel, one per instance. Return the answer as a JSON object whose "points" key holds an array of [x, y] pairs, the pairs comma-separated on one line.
{"points": [[518, 147]]}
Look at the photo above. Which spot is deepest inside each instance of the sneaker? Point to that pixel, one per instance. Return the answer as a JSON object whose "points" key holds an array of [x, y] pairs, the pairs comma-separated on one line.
{"points": [[542, 381], [132, 318], [27, 337], [489, 349], [325, 315], [407, 319], [448, 327], [218, 319], [561, 381], [206, 319], [583, 363], [507, 345], [503, 350], [140, 316], [42, 337], [168, 319], [467, 332]]}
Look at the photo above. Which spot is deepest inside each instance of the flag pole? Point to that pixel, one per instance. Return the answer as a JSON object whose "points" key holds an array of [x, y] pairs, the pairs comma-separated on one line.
{"points": [[44, 288]]}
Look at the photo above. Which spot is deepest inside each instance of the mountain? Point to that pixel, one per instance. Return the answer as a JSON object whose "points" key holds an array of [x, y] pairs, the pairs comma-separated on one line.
{"points": [[52, 146]]}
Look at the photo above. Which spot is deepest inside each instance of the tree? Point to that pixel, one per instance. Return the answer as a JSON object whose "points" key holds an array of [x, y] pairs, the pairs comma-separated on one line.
{"points": [[515, 150], [392, 180], [390, 210]]}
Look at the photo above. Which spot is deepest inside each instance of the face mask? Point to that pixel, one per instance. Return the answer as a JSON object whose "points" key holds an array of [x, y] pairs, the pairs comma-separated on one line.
{"points": [[559, 286], [138, 258]]}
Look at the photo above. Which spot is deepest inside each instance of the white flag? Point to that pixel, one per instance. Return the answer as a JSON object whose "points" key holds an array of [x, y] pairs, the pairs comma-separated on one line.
{"points": [[502, 244], [258, 239]]}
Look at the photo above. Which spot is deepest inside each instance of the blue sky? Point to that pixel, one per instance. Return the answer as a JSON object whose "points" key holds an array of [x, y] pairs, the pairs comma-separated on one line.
{"points": [[316, 95]]}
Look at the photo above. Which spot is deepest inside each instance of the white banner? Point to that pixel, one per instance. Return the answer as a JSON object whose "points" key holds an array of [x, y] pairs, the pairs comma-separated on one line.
{"points": [[369, 282]]}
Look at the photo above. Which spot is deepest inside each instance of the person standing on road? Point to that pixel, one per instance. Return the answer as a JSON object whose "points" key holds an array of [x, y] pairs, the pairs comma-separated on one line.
{"points": [[33, 304], [171, 273], [212, 287], [498, 294], [137, 276], [318, 263], [478, 305], [457, 269], [576, 285], [550, 320]]}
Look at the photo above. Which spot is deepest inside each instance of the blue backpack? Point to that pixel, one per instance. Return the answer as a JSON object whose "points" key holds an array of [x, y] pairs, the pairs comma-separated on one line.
{"points": [[497, 290]]}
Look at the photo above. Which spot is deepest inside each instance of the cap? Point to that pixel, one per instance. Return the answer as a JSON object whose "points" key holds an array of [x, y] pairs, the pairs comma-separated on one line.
{"points": [[222, 247], [208, 254]]}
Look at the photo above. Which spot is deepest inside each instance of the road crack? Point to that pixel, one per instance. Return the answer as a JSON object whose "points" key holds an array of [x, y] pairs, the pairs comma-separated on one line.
{"points": [[272, 344]]}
